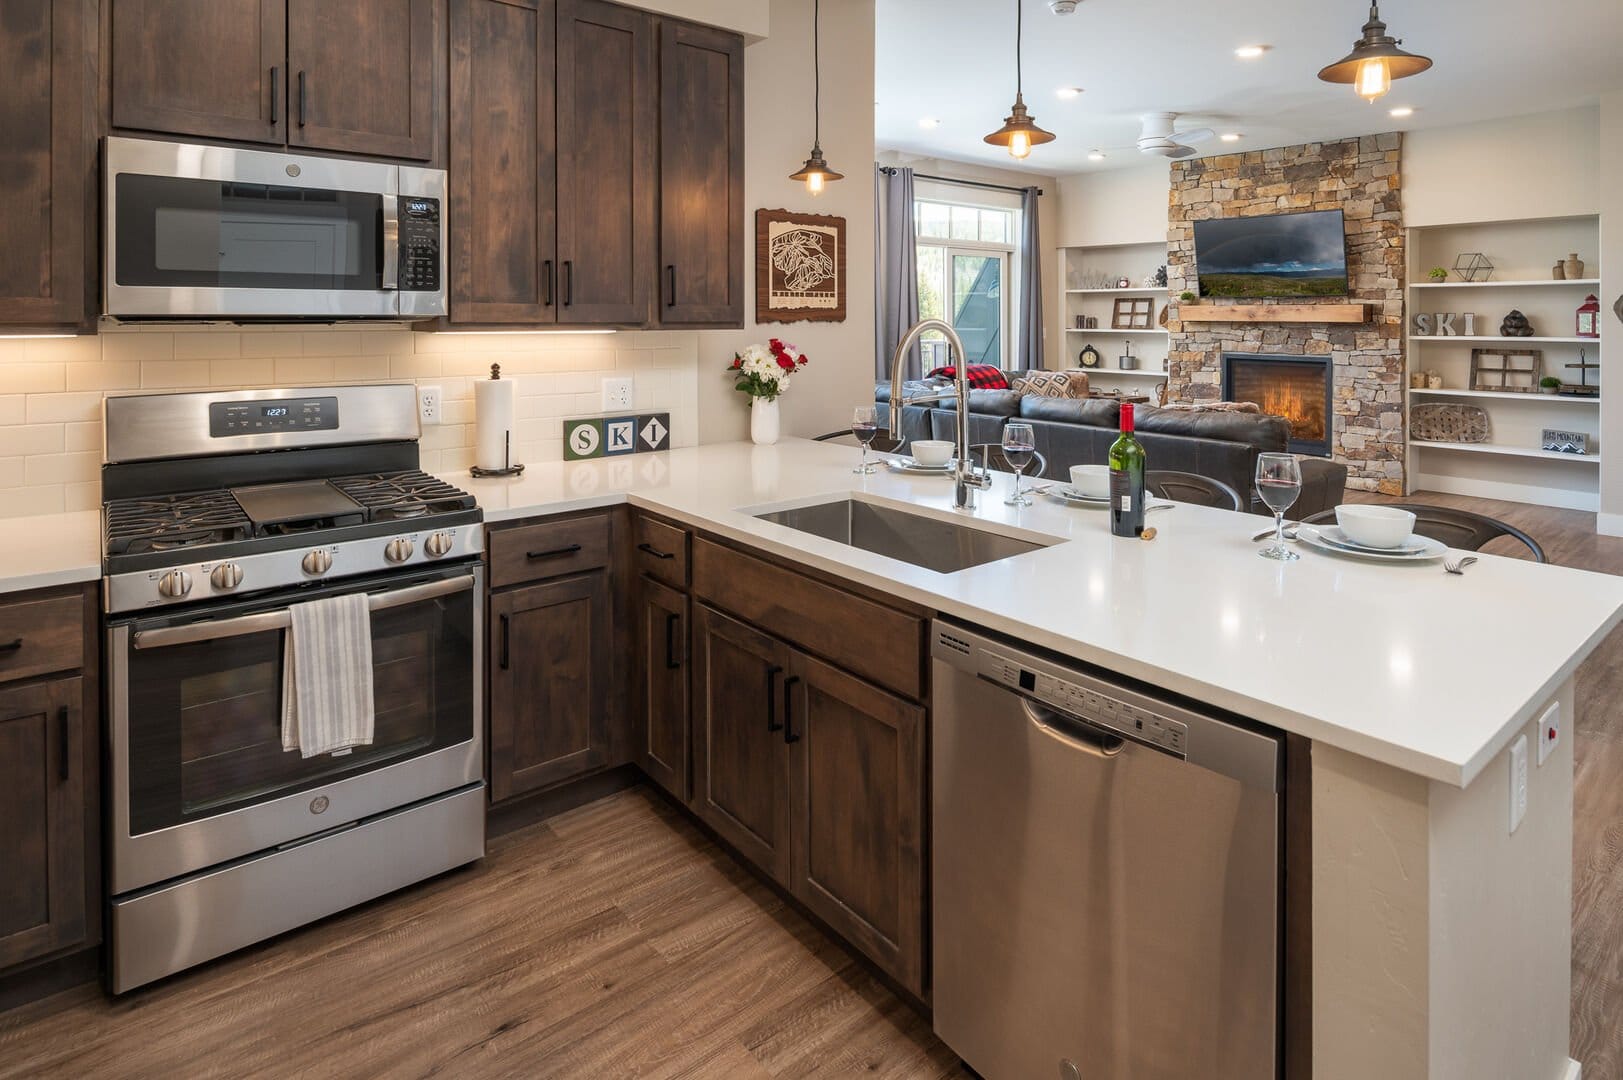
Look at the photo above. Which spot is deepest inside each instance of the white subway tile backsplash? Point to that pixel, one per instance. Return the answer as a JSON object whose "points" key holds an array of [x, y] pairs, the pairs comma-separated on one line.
{"points": [[51, 389]]}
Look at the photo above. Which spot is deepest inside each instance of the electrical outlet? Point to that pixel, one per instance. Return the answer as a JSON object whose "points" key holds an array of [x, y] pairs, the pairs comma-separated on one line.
{"points": [[1549, 732], [617, 393], [1518, 781], [429, 403]]}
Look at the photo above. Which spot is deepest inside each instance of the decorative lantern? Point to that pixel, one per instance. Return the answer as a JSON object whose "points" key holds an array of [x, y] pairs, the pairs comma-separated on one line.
{"points": [[1589, 317]]}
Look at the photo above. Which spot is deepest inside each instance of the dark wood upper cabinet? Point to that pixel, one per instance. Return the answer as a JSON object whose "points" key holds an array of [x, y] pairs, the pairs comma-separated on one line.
{"points": [[607, 109], [46, 156], [740, 758], [503, 212], [211, 69], [43, 822], [550, 660], [701, 176], [361, 76], [661, 654]]}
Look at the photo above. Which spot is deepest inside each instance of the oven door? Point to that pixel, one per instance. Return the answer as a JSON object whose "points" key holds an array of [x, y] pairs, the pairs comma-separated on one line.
{"points": [[215, 231], [199, 775]]}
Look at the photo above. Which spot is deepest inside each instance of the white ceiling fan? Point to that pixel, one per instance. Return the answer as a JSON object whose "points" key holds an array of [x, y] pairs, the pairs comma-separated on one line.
{"points": [[1160, 137]]}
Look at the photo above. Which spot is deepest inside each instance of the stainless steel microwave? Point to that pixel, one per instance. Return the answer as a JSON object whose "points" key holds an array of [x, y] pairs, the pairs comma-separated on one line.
{"points": [[213, 232]]}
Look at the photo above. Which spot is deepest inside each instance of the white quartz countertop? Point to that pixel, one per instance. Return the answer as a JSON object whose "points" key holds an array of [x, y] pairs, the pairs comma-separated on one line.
{"points": [[1404, 664], [49, 549]]}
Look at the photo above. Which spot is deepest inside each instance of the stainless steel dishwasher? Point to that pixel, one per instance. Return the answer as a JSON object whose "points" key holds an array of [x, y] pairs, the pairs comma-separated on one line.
{"points": [[1106, 875]]}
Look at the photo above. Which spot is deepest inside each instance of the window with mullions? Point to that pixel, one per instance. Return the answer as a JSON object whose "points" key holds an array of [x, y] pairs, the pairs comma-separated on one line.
{"points": [[965, 254]]}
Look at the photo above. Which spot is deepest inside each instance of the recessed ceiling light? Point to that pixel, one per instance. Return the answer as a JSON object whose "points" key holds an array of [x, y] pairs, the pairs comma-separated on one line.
{"points": [[1401, 111], [1096, 156], [1250, 52], [928, 122], [1069, 92], [1230, 136]]}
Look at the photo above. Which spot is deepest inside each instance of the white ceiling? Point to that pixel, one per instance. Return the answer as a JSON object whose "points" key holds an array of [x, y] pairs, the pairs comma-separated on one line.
{"points": [[954, 60]]}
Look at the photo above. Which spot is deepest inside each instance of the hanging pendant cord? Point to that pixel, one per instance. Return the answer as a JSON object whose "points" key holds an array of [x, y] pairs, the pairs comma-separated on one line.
{"points": [[1019, 34], [817, 73]]}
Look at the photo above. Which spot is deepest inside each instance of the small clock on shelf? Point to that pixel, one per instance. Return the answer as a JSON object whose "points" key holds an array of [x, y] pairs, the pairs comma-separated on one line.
{"points": [[1089, 357]]}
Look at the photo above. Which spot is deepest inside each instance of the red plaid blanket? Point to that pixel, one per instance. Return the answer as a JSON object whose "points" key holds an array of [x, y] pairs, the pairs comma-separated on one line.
{"points": [[981, 376]]}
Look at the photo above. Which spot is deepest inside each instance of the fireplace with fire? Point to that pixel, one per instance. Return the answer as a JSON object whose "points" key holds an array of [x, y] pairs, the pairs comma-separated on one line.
{"points": [[1295, 387]]}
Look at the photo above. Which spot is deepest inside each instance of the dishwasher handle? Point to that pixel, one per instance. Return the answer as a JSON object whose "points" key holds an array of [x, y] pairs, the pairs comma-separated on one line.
{"points": [[1077, 734]]}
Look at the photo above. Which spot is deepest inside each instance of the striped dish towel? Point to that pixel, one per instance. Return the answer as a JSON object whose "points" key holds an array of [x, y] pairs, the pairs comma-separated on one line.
{"points": [[327, 676]]}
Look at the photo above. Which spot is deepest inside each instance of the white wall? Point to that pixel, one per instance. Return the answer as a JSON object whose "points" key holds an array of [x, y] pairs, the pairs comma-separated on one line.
{"points": [[747, 17], [1544, 165], [1610, 167], [1125, 206], [778, 136]]}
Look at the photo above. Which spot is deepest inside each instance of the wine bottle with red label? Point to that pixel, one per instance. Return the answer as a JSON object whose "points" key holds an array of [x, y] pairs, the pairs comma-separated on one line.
{"points": [[1126, 479]]}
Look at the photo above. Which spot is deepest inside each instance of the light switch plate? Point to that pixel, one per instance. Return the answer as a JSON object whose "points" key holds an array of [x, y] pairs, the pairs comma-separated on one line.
{"points": [[1518, 781], [1549, 732], [617, 393]]}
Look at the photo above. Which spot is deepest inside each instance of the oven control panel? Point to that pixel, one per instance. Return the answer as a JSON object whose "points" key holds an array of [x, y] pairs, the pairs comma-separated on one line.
{"points": [[419, 244], [228, 418]]}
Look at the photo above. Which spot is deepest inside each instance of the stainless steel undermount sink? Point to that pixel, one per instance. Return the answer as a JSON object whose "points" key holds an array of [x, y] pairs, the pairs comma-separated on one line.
{"points": [[943, 546]]}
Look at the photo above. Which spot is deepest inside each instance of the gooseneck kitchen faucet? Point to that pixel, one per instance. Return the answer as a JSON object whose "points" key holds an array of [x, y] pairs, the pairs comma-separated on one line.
{"points": [[965, 477]]}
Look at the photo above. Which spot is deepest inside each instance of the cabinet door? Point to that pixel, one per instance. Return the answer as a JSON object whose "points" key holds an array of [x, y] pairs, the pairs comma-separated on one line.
{"points": [[701, 175], [45, 157], [662, 686], [503, 220], [361, 76], [208, 70], [549, 683], [740, 760], [606, 139], [858, 790], [42, 819]]}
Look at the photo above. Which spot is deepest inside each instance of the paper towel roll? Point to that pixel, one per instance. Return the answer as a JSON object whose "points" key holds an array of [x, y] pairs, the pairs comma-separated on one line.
{"points": [[493, 422]]}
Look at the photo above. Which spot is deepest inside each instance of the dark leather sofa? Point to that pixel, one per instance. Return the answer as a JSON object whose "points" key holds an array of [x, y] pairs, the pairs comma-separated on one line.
{"points": [[1079, 431]]}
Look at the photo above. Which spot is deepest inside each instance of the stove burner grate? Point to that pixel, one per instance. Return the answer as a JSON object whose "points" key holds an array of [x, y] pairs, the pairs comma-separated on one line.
{"points": [[397, 496], [163, 523]]}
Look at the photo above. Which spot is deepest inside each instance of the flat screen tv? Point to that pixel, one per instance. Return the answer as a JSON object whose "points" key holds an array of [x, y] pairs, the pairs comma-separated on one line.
{"points": [[1276, 255]]}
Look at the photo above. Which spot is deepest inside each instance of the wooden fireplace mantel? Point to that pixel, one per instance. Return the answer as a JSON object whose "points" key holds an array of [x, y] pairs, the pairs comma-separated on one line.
{"points": [[1274, 313]]}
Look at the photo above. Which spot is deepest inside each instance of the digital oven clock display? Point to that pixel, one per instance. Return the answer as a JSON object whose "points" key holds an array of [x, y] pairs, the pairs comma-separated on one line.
{"points": [[276, 410], [229, 418]]}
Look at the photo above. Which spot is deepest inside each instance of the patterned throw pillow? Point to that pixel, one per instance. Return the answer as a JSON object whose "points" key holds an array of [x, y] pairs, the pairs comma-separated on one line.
{"points": [[1056, 384]]}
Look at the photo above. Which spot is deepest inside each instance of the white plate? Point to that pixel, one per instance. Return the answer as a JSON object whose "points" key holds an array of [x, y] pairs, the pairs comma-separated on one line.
{"points": [[1430, 551], [1072, 497], [908, 465], [1337, 537]]}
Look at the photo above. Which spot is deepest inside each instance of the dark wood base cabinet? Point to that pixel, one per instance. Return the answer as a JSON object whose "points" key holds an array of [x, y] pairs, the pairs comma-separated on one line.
{"points": [[662, 653]]}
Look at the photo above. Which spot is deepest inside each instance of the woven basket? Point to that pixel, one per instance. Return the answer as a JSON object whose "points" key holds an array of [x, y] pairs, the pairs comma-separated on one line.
{"points": [[1448, 422]]}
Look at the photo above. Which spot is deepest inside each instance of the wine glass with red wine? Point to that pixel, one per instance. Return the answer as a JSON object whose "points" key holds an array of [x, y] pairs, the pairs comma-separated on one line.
{"points": [[1019, 445], [865, 426], [1279, 482]]}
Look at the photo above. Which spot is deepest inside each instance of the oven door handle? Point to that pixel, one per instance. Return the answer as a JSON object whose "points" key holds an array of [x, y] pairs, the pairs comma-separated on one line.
{"points": [[281, 620]]}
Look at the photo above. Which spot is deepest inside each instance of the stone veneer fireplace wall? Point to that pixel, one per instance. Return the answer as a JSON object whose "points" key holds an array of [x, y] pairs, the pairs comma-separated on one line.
{"points": [[1362, 178]]}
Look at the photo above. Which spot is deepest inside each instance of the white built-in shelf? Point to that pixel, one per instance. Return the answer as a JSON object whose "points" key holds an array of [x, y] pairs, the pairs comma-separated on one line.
{"points": [[1152, 290], [1506, 395], [1456, 338], [1127, 373], [1525, 284], [1106, 332], [1507, 451]]}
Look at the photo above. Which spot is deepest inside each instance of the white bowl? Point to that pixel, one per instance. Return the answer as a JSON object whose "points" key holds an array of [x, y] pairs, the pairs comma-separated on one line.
{"points": [[932, 452], [1374, 525], [1091, 480]]}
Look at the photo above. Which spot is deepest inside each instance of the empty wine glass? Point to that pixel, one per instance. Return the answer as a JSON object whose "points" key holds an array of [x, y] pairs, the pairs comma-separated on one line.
{"points": [[1279, 482], [1019, 444], [865, 426]]}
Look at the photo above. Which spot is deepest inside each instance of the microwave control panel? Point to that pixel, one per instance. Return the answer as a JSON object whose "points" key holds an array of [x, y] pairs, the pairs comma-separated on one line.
{"points": [[227, 418], [419, 244]]}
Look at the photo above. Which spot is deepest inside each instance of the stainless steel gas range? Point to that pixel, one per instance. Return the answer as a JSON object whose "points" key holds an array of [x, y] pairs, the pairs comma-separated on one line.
{"points": [[221, 511]]}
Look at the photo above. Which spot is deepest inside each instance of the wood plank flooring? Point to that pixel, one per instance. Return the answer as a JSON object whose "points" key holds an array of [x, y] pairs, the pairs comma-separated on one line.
{"points": [[618, 940]]}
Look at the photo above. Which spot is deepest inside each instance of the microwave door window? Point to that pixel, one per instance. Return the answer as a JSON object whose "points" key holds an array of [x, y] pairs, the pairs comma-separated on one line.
{"points": [[236, 244]]}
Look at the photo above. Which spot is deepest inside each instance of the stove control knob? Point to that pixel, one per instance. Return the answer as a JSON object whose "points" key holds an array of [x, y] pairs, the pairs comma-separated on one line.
{"points": [[398, 550], [317, 562], [228, 575], [175, 584], [438, 544]]}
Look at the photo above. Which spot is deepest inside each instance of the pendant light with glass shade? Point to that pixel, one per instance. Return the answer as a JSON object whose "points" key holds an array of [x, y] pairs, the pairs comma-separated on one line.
{"points": [[1375, 61], [1019, 132], [816, 172]]}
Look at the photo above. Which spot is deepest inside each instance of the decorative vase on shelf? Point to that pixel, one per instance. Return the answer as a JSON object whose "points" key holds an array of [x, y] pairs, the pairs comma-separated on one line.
{"points": [[1558, 272], [1574, 267], [763, 422]]}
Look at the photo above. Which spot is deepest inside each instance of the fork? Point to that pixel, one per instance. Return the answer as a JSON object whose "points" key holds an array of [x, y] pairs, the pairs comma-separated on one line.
{"points": [[1458, 565]]}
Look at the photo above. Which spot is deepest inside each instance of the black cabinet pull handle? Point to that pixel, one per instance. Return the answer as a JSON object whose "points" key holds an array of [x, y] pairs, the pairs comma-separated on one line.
{"points": [[505, 637], [303, 99], [11, 646], [63, 764], [546, 277], [789, 735], [772, 674], [276, 94], [553, 554], [671, 619], [670, 274], [655, 552], [569, 282]]}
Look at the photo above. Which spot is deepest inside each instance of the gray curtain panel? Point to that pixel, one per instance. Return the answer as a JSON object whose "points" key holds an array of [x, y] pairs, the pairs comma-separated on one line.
{"points": [[1031, 285], [896, 273]]}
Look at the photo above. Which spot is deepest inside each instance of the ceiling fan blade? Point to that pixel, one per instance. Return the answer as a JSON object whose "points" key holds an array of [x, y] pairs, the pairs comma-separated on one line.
{"points": [[1183, 152], [1193, 135]]}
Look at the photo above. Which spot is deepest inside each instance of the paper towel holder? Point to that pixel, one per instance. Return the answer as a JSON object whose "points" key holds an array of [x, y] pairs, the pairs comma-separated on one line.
{"points": [[507, 447]]}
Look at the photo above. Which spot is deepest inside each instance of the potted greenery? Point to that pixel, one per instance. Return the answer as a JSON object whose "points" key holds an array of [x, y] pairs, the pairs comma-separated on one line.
{"points": [[1437, 273], [1186, 297], [1549, 384]]}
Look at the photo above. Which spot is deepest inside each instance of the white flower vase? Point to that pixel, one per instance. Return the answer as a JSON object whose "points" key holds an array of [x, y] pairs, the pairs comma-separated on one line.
{"points": [[763, 422]]}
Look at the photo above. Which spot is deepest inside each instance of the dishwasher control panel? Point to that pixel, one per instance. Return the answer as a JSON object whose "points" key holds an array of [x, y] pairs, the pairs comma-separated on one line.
{"points": [[1089, 700]]}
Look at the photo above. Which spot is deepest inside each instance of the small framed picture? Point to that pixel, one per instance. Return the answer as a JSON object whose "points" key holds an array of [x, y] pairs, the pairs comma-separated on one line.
{"points": [[1507, 370], [1137, 313]]}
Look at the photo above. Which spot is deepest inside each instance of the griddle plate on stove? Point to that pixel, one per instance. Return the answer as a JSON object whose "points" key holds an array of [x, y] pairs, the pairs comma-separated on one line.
{"points": [[297, 506]]}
